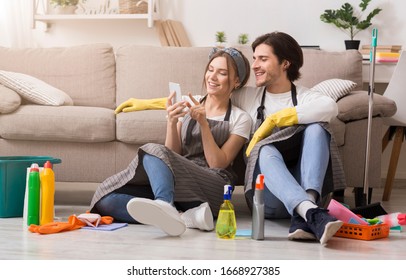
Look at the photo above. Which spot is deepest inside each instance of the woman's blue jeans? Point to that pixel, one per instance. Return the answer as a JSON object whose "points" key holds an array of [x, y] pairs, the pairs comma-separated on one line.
{"points": [[162, 185], [286, 186]]}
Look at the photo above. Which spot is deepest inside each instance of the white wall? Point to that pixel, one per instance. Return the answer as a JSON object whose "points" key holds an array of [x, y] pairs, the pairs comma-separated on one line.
{"points": [[202, 19], [299, 18]]}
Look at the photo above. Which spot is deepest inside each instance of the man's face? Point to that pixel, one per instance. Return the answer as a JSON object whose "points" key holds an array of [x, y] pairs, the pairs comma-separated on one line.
{"points": [[267, 69]]}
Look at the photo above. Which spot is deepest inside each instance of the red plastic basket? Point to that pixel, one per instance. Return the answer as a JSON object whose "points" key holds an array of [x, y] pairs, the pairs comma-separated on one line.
{"points": [[363, 232]]}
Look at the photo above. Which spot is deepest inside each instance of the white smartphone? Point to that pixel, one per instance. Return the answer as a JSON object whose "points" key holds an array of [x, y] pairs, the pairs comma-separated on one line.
{"points": [[175, 87]]}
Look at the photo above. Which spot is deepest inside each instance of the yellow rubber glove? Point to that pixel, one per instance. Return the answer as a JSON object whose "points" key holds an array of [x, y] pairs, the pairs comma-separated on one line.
{"points": [[284, 117], [134, 104]]}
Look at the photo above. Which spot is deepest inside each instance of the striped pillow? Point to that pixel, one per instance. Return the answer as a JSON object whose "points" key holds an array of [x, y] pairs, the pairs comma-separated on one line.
{"points": [[335, 88], [34, 90], [9, 100]]}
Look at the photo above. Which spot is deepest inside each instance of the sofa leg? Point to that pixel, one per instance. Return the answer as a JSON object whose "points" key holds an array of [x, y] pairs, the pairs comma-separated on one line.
{"points": [[360, 198], [400, 133]]}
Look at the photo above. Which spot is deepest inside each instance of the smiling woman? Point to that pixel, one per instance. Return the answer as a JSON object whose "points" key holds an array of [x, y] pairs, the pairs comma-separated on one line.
{"points": [[15, 24]]}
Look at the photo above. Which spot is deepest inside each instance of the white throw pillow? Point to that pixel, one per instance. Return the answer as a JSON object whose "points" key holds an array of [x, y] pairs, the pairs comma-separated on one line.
{"points": [[34, 90], [9, 100], [335, 88]]}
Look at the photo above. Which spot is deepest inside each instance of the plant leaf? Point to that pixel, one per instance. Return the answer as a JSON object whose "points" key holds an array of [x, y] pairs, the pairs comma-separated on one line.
{"points": [[364, 4], [349, 20], [373, 13]]}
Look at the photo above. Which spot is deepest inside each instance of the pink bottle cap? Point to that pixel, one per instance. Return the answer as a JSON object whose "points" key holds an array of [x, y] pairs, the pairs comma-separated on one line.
{"points": [[48, 164]]}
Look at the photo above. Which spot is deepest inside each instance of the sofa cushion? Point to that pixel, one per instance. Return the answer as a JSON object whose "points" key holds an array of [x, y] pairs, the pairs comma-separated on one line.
{"points": [[86, 73], [65, 123], [9, 100], [34, 89], [145, 72], [142, 127], [335, 88], [323, 65], [355, 106], [338, 128]]}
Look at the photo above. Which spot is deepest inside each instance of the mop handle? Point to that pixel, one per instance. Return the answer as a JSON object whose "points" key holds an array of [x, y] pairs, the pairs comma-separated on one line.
{"points": [[371, 90]]}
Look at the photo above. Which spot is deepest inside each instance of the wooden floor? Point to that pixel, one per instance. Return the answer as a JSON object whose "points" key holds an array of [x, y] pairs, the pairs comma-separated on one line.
{"points": [[148, 243]]}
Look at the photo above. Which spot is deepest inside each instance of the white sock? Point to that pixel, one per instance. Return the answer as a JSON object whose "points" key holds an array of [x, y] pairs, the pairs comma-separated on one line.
{"points": [[312, 195], [302, 208]]}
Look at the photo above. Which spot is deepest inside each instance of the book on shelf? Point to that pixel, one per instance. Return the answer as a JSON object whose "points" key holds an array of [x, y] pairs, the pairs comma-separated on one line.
{"points": [[313, 47], [387, 57], [383, 57], [384, 53], [365, 49], [172, 33]]}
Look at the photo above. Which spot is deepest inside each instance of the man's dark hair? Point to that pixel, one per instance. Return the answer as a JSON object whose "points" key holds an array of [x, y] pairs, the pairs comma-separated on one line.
{"points": [[285, 48]]}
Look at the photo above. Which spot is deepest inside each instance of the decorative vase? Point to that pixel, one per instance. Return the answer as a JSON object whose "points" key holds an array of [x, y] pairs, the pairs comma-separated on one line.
{"points": [[63, 10], [352, 44], [220, 45]]}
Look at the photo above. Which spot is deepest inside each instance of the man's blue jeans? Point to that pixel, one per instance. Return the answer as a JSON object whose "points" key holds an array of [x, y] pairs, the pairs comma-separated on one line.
{"points": [[286, 186]]}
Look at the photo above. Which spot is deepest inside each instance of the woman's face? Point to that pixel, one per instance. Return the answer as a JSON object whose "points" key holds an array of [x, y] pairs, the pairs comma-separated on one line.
{"points": [[218, 77]]}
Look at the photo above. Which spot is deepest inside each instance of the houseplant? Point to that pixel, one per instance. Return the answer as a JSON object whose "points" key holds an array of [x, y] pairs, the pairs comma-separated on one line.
{"points": [[349, 20], [243, 39], [63, 6], [221, 39]]}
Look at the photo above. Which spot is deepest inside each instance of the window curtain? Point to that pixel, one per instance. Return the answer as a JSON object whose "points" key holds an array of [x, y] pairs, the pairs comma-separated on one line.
{"points": [[16, 23]]}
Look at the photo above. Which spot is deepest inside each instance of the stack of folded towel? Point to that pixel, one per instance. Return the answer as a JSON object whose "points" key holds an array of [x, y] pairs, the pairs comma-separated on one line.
{"points": [[387, 57]]}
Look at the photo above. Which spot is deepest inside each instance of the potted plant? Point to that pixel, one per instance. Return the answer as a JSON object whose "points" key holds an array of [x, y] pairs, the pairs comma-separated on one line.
{"points": [[221, 39], [349, 20], [63, 6], [243, 39]]}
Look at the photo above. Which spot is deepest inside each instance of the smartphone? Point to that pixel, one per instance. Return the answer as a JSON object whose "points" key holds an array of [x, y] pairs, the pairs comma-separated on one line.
{"points": [[175, 87]]}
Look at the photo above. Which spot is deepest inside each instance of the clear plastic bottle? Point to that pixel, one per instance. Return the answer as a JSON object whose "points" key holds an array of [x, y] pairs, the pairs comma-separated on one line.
{"points": [[33, 196], [258, 209], [47, 193], [226, 225]]}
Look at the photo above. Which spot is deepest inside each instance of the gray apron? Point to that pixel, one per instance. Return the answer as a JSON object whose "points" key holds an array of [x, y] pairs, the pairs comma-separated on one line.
{"points": [[288, 142], [194, 180]]}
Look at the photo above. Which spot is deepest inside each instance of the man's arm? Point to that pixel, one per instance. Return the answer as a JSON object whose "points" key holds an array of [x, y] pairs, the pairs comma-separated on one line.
{"points": [[316, 107]]}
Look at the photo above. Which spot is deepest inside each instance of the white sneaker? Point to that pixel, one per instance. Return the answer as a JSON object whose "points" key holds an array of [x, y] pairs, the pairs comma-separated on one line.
{"points": [[157, 213], [199, 217]]}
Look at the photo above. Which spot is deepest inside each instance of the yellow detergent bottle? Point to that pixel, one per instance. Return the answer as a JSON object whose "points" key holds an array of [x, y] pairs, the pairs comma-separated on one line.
{"points": [[47, 193], [226, 225]]}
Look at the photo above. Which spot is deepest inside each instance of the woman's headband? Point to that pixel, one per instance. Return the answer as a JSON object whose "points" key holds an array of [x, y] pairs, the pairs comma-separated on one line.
{"points": [[238, 59]]}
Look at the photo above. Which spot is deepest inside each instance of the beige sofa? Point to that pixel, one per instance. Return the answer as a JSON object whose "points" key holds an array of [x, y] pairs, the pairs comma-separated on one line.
{"points": [[94, 143]]}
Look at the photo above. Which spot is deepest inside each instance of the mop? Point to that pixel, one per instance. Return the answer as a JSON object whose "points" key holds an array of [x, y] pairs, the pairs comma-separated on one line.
{"points": [[367, 210]]}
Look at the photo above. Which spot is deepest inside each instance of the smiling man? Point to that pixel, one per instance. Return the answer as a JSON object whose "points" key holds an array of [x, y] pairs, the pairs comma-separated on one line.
{"points": [[292, 144]]}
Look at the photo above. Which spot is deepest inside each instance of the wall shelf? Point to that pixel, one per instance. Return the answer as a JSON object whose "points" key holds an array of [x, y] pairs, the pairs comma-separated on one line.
{"points": [[383, 72], [41, 15]]}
